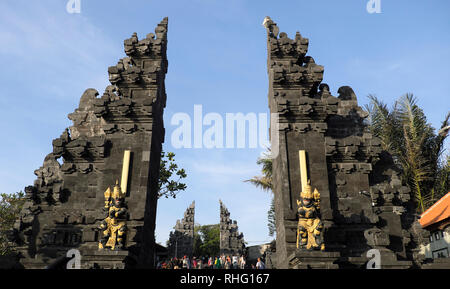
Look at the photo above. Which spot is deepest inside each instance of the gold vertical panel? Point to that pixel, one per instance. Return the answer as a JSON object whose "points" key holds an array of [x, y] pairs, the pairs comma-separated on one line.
{"points": [[125, 170], [303, 169]]}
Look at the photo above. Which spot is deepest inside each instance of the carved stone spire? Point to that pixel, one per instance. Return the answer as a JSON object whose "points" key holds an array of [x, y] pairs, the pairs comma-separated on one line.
{"points": [[231, 241], [181, 241]]}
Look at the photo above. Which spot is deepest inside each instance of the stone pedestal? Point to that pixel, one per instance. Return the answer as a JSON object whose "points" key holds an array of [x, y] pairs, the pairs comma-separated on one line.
{"points": [[9, 262], [303, 259], [441, 263], [107, 259], [389, 260]]}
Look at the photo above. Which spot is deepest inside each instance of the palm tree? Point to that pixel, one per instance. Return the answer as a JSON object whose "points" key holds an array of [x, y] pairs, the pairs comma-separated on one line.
{"points": [[10, 207], [405, 133], [264, 182]]}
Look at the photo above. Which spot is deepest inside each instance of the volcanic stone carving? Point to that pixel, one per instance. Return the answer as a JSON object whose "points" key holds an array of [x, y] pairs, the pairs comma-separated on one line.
{"points": [[65, 205], [181, 241], [231, 241], [359, 186]]}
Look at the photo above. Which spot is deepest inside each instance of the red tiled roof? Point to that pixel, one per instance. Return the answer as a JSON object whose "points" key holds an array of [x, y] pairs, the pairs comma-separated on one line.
{"points": [[436, 213]]}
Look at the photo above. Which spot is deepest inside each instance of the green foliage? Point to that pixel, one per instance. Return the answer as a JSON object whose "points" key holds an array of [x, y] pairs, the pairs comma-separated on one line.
{"points": [[416, 149], [207, 240], [265, 183], [197, 240], [265, 180], [169, 187], [442, 183], [10, 207]]}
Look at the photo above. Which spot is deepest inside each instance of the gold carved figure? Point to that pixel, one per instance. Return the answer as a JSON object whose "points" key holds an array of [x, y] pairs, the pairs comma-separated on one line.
{"points": [[114, 226], [309, 229]]}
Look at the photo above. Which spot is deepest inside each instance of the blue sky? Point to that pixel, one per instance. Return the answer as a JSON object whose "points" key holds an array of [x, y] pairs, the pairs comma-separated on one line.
{"points": [[217, 58]]}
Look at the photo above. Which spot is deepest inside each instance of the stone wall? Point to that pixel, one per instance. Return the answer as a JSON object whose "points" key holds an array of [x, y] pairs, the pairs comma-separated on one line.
{"points": [[362, 195], [64, 206]]}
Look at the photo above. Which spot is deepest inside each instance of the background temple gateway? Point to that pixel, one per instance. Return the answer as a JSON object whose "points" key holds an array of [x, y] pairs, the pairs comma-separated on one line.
{"points": [[181, 240], [231, 241]]}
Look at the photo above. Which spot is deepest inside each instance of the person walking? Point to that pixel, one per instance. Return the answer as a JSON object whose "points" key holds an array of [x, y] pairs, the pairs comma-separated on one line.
{"points": [[175, 263], [217, 263], [260, 264], [210, 263], [170, 264], [242, 262], [185, 262], [235, 262]]}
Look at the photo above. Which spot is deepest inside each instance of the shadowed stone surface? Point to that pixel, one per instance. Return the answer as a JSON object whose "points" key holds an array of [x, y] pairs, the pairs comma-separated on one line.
{"points": [[64, 206], [303, 259]]}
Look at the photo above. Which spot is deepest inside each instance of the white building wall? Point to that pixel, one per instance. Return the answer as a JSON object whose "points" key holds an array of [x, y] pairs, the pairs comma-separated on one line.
{"points": [[438, 245]]}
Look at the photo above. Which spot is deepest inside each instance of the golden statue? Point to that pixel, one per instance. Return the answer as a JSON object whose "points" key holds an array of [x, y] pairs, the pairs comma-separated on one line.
{"points": [[309, 229], [114, 226]]}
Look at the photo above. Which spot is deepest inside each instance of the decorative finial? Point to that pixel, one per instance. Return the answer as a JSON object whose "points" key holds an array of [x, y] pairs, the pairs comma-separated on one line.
{"points": [[266, 20], [271, 27]]}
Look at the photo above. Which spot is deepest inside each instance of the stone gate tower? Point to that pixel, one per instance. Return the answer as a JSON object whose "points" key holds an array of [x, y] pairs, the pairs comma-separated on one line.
{"points": [[363, 202], [181, 241], [65, 204], [231, 241]]}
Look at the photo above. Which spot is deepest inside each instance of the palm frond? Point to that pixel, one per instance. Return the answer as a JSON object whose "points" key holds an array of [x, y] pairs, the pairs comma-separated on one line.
{"points": [[405, 133], [261, 182]]}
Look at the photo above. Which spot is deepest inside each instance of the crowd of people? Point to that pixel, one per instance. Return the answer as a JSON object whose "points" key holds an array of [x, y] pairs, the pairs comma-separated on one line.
{"points": [[220, 262]]}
